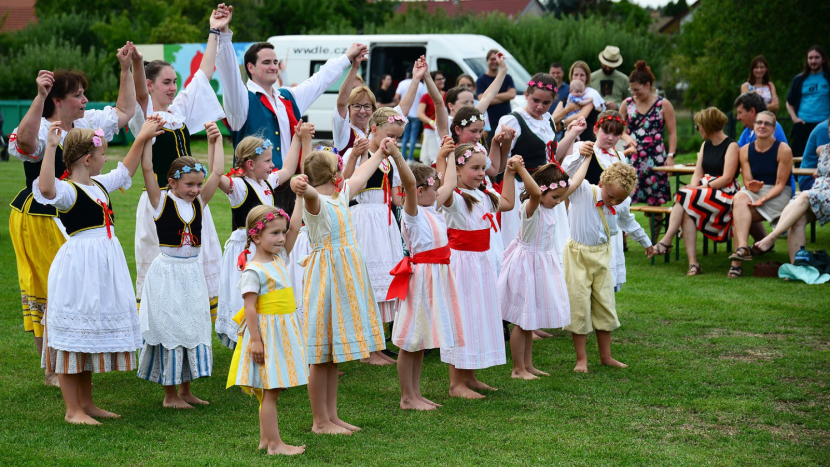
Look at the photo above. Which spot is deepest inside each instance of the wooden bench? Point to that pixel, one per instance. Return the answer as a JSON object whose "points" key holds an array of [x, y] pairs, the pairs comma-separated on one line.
{"points": [[651, 211]]}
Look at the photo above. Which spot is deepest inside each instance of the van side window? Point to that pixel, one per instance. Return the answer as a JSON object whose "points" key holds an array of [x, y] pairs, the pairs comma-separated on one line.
{"points": [[451, 71], [335, 87]]}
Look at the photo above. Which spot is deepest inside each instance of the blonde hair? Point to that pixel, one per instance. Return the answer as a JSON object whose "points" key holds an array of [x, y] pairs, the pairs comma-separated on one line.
{"points": [[621, 175], [257, 214], [77, 144], [768, 114], [469, 199], [381, 117], [422, 172], [711, 120], [361, 92], [246, 150], [321, 167], [585, 68]]}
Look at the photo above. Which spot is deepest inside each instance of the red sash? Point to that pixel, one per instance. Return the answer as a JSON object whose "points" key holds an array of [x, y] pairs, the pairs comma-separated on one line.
{"points": [[469, 240], [399, 288]]}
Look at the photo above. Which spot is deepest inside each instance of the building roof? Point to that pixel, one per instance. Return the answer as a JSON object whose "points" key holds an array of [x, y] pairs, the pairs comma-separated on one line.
{"points": [[17, 14], [511, 8]]}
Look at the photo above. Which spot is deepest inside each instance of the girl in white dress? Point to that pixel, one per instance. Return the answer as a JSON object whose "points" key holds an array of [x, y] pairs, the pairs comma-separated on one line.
{"points": [[470, 215], [175, 312], [92, 324]]}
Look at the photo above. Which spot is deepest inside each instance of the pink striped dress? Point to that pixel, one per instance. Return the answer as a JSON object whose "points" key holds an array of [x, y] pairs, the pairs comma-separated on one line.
{"points": [[430, 317], [475, 283], [532, 283]]}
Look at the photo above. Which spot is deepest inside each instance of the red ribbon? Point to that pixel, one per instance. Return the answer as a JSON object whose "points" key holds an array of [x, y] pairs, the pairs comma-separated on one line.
{"points": [[387, 195], [550, 152], [399, 288], [235, 171], [601, 203], [469, 240], [489, 217], [242, 259], [64, 176], [188, 239], [107, 218]]}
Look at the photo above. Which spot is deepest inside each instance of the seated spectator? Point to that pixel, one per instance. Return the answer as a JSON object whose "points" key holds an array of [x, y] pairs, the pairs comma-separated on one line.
{"points": [[705, 204], [818, 137], [766, 166], [808, 101], [384, 93], [759, 83], [809, 206]]}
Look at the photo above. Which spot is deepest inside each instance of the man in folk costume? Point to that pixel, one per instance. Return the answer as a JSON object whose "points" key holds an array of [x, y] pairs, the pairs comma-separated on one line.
{"points": [[261, 106]]}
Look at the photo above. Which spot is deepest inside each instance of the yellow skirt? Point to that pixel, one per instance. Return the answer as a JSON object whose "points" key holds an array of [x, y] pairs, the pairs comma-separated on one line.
{"points": [[36, 241]]}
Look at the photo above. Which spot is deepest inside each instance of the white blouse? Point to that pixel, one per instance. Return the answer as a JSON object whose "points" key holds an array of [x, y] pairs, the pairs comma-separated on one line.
{"points": [[239, 190], [586, 224], [106, 120], [540, 127]]}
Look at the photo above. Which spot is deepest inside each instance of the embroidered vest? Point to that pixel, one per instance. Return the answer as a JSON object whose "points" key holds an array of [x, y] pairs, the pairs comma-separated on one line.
{"points": [[172, 229], [262, 118], [86, 213], [169, 146], [530, 146], [240, 213]]}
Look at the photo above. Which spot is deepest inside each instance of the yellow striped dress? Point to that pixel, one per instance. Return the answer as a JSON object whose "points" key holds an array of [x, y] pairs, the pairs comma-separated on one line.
{"points": [[279, 326]]}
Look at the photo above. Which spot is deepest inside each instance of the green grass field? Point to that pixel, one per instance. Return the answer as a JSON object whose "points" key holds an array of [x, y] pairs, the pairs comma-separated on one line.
{"points": [[722, 372]]}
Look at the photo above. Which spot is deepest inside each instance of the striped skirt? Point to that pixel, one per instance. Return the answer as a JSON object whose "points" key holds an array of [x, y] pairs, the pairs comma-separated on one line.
{"points": [[69, 363], [170, 367], [710, 208], [285, 355]]}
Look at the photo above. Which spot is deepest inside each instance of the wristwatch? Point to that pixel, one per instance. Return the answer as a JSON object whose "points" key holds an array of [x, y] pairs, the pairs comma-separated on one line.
{"points": [[671, 154]]}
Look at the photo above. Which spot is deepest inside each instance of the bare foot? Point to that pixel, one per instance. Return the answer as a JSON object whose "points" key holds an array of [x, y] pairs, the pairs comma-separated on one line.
{"points": [[542, 334], [612, 362], [176, 403], [100, 413], [80, 418], [537, 372], [345, 425], [476, 384], [465, 392], [416, 404], [285, 449], [581, 367], [329, 429], [536, 337], [262, 444], [51, 379], [523, 375], [375, 359], [764, 244], [191, 399], [387, 357], [424, 399]]}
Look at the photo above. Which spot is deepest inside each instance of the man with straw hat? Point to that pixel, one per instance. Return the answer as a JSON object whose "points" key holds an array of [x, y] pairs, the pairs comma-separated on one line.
{"points": [[611, 84]]}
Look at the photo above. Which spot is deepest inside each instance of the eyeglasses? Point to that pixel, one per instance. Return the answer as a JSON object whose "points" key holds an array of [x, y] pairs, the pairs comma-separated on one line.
{"points": [[358, 107], [764, 123]]}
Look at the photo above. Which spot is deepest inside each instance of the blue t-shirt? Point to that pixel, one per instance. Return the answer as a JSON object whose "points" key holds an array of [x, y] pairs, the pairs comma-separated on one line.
{"points": [[496, 111], [818, 137], [815, 99], [748, 136]]}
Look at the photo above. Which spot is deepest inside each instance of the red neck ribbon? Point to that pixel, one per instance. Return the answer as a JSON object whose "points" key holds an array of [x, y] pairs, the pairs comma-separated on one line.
{"points": [[107, 217], [601, 203]]}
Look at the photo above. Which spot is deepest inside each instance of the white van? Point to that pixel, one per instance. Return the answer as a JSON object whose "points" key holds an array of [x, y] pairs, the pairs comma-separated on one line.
{"points": [[453, 54]]}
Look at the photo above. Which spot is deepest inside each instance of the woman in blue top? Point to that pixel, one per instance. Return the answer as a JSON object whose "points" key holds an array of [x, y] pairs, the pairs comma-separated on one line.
{"points": [[808, 101]]}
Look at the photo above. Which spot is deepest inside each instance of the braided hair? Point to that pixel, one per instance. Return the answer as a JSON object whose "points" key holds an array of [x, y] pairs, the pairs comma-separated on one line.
{"points": [[77, 144], [469, 200]]}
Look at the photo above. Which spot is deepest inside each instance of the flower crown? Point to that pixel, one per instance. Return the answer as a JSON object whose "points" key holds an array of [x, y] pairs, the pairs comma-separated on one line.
{"points": [[473, 119], [187, 169], [268, 217], [265, 145], [469, 153], [541, 85], [333, 151], [397, 117], [96, 140], [607, 118], [553, 186]]}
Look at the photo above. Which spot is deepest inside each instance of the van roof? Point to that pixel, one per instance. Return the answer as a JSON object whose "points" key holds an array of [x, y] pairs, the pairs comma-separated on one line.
{"points": [[471, 45]]}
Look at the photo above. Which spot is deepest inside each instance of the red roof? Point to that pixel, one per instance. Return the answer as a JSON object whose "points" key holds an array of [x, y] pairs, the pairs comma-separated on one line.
{"points": [[20, 13], [512, 8]]}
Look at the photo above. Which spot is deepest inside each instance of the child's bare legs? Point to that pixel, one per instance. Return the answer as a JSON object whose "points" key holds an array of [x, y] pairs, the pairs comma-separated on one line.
{"points": [[416, 378], [85, 398], [50, 378], [173, 400], [604, 344], [378, 358], [269, 426], [458, 384], [529, 356], [187, 396], [580, 340], [318, 376], [542, 334], [473, 383], [408, 379], [518, 347], [331, 399], [71, 390]]}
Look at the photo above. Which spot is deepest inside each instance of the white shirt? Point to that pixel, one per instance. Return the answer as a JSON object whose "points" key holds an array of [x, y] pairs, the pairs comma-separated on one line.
{"points": [[593, 94], [342, 127], [106, 120], [239, 190], [403, 87], [186, 213], [586, 224], [605, 158], [541, 128], [236, 94]]}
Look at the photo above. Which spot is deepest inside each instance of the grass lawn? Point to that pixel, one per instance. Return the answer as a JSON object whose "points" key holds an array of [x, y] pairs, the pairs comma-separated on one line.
{"points": [[722, 372]]}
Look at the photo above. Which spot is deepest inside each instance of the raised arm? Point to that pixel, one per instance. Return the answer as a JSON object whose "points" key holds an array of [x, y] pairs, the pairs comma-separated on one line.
{"points": [[366, 169], [311, 198], [294, 225], [46, 182], [142, 95], [219, 20], [441, 118], [565, 146], [303, 133], [216, 161], [486, 98], [361, 145], [152, 127], [151, 185], [500, 149], [507, 200], [418, 72], [234, 92], [449, 178], [125, 105], [533, 191], [410, 201], [29, 127], [311, 89], [579, 176], [346, 88]]}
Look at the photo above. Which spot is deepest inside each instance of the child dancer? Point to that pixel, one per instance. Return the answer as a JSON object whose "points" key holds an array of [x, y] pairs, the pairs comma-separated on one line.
{"points": [[429, 315], [469, 214], [271, 353], [531, 283], [587, 260], [92, 324], [175, 312], [342, 319], [250, 183]]}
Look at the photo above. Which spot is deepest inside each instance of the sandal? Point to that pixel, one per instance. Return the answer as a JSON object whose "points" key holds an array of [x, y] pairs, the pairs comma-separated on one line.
{"points": [[694, 270], [735, 271], [666, 248], [755, 250], [741, 254]]}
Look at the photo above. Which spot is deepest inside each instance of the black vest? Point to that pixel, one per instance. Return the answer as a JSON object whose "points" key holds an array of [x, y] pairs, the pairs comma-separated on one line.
{"points": [[169, 146], [171, 228], [32, 171], [595, 170], [86, 213], [240, 213], [530, 146], [375, 182]]}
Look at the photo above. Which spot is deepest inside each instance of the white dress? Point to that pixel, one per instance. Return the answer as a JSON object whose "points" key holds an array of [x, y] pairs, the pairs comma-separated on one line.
{"points": [[91, 299], [378, 238], [532, 282], [230, 300], [192, 108], [475, 280]]}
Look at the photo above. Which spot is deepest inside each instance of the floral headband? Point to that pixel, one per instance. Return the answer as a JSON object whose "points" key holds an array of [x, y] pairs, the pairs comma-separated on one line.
{"points": [[268, 217], [334, 151], [187, 169], [541, 85], [469, 153], [265, 145], [473, 119], [607, 118], [96, 140], [397, 117], [553, 186]]}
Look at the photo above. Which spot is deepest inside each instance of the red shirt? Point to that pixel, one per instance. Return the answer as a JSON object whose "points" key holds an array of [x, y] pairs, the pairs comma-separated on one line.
{"points": [[430, 110]]}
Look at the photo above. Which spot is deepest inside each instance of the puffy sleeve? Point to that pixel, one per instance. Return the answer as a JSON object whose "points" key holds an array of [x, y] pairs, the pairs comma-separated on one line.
{"points": [[198, 104], [340, 129], [510, 122], [238, 191], [37, 154], [117, 178], [65, 194], [274, 179], [248, 282], [138, 119], [628, 224], [106, 120]]}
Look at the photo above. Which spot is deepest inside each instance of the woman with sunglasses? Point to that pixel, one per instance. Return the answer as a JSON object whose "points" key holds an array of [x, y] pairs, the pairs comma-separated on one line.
{"points": [[765, 165]]}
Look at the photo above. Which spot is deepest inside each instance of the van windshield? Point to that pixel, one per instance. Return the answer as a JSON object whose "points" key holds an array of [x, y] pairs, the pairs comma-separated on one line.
{"points": [[514, 69]]}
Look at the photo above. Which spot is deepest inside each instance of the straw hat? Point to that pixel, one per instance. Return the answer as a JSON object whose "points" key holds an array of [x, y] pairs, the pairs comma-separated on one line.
{"points": [[611, 57]]}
